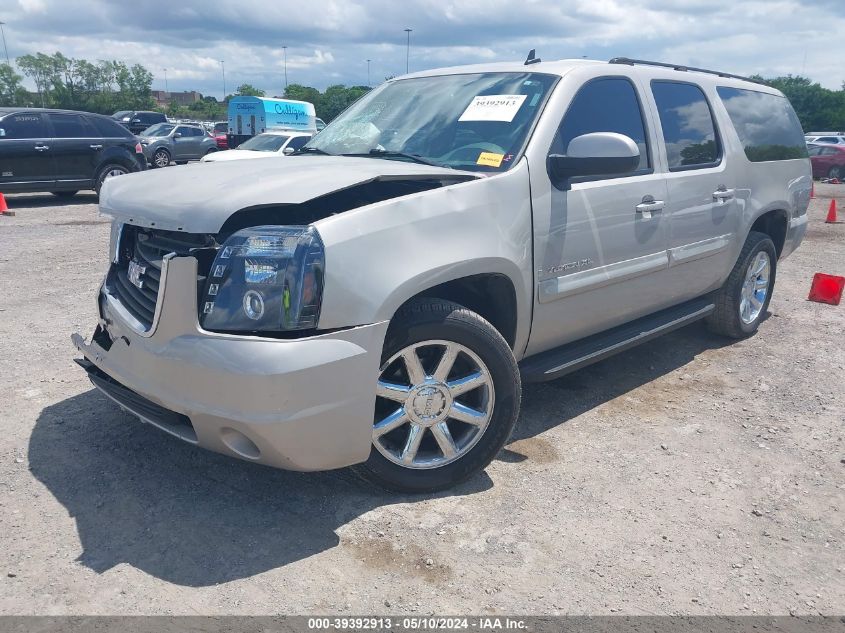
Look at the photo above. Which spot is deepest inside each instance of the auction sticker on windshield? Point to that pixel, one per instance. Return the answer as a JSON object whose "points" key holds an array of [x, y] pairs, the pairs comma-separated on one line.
{"points": [[493, 108], [490, 159]]}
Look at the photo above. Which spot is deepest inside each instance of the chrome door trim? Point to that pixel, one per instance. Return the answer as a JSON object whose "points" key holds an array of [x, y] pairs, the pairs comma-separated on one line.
{"points": [[575, 283], [699, 250]]}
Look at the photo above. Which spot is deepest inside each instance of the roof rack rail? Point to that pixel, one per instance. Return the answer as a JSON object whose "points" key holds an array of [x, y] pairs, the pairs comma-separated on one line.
{"points": [[680, 67]]}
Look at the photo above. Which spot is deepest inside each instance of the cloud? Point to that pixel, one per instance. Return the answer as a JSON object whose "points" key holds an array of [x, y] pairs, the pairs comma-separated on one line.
{"points": [[330, 41]]}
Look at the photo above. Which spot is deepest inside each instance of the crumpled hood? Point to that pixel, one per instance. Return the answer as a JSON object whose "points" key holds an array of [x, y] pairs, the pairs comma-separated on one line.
{"points": [[199, 198]]}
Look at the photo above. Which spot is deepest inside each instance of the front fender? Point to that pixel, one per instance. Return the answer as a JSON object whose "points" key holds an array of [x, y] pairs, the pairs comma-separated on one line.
{"points": [[381, 255]]}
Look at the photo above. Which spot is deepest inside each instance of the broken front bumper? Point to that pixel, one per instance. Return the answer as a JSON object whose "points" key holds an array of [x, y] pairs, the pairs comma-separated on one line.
{"points": [[299, 404]]}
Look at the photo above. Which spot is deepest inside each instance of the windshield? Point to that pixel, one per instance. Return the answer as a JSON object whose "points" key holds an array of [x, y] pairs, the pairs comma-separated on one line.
{"points": [[477, 122], [159, 129], [264, 143]]}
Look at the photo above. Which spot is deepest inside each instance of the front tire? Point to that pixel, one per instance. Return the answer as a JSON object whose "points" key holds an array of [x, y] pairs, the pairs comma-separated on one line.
{"points": [[161, 158], [447, 398], [742, 302]]}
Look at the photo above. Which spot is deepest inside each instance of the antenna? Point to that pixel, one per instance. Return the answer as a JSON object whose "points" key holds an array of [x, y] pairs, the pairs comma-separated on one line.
{"points": [[531, 59]]}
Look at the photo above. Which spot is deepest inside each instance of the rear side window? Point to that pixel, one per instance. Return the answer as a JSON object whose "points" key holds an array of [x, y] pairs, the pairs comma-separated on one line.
{"points": [[70, 126], [22, 126], [109, 129], [688, 128], [604, 105], [766, 124]]}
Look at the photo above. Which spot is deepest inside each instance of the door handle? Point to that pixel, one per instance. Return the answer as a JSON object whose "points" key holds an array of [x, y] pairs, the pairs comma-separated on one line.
{"points": [[96, 146], [649, 205], [722, 194], [41, 148]]}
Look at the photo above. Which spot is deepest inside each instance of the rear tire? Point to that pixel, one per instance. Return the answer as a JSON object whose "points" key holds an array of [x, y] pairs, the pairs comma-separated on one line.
{"points": [[64, 194], [742, 302], [109, 171], [479, 384]]}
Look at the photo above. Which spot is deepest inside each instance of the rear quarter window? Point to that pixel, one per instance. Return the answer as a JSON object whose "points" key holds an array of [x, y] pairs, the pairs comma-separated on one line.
{"points": [[108, 128], [766, 124]]}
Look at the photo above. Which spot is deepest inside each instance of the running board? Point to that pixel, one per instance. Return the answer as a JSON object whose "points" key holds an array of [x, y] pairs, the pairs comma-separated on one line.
{"points": [[573, 356]]}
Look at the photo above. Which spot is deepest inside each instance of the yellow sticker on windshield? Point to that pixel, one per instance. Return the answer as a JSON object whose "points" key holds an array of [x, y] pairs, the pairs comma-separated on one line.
{"points": [[490, 159]]}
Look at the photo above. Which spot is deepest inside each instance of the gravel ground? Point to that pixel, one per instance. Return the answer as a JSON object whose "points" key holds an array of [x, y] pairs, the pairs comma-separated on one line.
{"points": [[689, 476]]}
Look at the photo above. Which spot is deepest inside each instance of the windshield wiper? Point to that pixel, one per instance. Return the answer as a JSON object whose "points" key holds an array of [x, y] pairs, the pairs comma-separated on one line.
{"points": [[383, 153], [313, 150]]}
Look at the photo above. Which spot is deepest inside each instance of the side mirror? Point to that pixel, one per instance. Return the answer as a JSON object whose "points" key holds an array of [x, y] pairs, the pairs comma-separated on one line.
{"points": [[177, 135], [288, 151], [594, 154]]}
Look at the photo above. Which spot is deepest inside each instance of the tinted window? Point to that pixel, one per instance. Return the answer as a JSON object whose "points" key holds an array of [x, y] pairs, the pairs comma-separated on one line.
{"points": [[22, 126], [827, 139], [298, 142], [815, 151], [70, 126], [151, 117], [766, 124], [109, 129], [688, 128], [604, 105]]}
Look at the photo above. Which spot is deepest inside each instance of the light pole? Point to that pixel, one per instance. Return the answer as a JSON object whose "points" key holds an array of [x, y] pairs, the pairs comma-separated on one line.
{"points": [[368, 73], [165, 81], [285, 50], [408, 51], [4, 44], [223, 68]]}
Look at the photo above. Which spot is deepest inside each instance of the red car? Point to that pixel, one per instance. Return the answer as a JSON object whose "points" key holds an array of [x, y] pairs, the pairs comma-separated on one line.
{"points": [[828, 161], [219, 134]]}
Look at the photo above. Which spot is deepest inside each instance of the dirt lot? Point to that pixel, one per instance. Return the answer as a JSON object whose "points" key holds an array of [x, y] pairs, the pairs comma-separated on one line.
{"points": [[688, 476]]}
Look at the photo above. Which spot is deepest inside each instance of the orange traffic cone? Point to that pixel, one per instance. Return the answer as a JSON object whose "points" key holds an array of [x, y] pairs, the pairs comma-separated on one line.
{"points": [[831, 213], [826, 289], [4, 208]]}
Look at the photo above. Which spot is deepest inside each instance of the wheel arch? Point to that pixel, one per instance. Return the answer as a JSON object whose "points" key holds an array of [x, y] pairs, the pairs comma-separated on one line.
{"points": [[773, 223], [493, 294]]}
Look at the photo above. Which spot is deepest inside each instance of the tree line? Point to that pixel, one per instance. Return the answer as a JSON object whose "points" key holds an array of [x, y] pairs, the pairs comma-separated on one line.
{"points": [[108, 86]]}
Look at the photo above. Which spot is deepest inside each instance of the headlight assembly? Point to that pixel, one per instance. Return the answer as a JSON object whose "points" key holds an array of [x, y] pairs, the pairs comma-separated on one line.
{"points": [[265, 279]]}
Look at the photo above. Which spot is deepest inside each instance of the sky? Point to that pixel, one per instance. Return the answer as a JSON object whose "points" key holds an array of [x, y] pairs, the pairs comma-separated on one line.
{"points": [[329, 41]]}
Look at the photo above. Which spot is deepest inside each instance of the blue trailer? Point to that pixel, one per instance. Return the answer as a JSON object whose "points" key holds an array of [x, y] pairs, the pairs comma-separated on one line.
{"points": [[249, 116]]}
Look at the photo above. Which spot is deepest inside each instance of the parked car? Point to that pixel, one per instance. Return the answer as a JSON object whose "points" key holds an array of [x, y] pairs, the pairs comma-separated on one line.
{"points": [[828, 161], [136, 121], [380, 298], [319, 123], [166, 142], [219, 131], [827, 139], [63, 151], [263, 145]]}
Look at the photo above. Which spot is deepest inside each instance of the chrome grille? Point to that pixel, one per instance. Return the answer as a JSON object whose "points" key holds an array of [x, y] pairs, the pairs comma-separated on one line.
{"points": [[140, 256]]}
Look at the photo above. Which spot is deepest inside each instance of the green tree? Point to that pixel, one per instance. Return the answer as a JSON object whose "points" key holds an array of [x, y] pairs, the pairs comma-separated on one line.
{"points": [[247, 90], [12, 92]]}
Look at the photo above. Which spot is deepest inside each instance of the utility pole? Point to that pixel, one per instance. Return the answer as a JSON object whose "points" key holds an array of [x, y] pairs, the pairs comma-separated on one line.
{"points": [[285, 49], [165, 81], [408, 51], [223, 68], [368, 73], [4, 44]]}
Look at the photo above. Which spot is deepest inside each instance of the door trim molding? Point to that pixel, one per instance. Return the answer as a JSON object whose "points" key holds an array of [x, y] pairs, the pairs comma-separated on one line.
{"points": [[698, 250], [567, 285]]}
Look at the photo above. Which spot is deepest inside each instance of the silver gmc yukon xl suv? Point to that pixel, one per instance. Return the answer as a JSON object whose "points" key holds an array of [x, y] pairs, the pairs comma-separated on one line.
{"points": [[379, 297]]}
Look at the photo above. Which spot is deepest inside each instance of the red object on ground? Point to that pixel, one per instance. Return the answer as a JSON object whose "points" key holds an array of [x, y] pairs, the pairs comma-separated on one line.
{"points": [[831, 213], [4, 208], [827, 289]]}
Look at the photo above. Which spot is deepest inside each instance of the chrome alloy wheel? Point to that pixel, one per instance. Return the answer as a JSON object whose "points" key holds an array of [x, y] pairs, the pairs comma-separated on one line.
{"points": [[434, 402], [114, 171], [755, 288], [161, 158]]}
